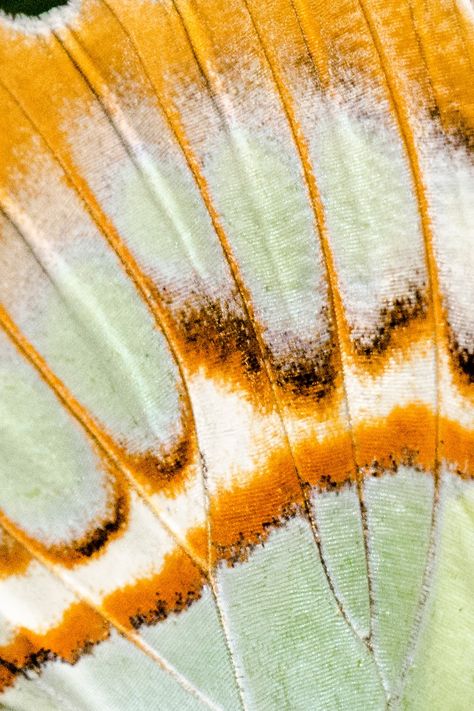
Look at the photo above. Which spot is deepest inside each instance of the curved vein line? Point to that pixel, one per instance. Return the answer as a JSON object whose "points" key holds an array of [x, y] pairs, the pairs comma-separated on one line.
{"points": [[81, 593], [401, 115], [192, 164], [139, 280], [335, 299], [103, 441], [246, 301], [214, 586]]}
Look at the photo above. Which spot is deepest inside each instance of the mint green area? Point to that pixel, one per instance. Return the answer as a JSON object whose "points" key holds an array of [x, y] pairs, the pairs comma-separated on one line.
{"points": [[370, 207], [116, 676], [442, 675], [294, 647], [52, 484], [260, 193], [98, 336], [338, 517], [30, 695], [399, 512], [194, 643], [161, 215]]}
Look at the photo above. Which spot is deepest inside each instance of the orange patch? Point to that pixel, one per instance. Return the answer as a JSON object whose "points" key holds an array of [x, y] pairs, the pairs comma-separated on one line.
{"points": [[14, 558], [244, 515], [457, 447], [169, 471], [148, 600], [327, 464], [407, 435]]}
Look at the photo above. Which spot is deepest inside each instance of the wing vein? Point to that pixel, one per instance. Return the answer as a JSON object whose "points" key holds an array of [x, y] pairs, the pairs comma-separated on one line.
{"points": [[249, 312], [139, 280], [331, 276], [402, 117]]}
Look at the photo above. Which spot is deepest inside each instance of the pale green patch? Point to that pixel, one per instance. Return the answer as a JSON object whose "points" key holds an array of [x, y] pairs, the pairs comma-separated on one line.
{"points": [[99, 337], [152, 199], [52, 484], [338, 516], [193, 641], [114, 676], [260, 194], [27, 695], [161, 215], [399, 511], [294, 647], [371, 210], [442, 673]]}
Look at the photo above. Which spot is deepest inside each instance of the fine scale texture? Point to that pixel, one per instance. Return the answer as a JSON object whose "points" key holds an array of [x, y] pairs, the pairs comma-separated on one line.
{"points": [[236, 355]]}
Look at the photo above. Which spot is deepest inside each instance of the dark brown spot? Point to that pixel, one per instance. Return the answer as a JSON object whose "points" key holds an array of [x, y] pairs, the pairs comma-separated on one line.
{"points": [[309, 371], [100, 536], [159, 470], [162, 608], [464, 358], [216, 333], [11, 667]]}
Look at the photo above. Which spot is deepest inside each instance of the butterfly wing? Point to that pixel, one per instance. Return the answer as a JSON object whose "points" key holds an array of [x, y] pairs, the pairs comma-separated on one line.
{"points": [[236, 355]]}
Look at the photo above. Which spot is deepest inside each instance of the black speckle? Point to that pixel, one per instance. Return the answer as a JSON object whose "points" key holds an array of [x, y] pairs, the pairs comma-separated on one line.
{"points": [[393, 315], [465, 361], [101, 535], [308, 371]]}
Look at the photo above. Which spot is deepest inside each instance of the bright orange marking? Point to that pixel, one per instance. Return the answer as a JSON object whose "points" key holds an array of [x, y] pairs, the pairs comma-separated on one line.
{"points": [[79, 629], [245, 515], [178, 583]]}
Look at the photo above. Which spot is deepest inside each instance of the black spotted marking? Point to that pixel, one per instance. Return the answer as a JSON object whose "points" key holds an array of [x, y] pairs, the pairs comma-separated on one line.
{"points": [[162, 609], [394, 315], [466, 363], [464, 359], [215, 333], [309, 371], [453, 127], [35, 661], [241, 548], [215, 330], [11, 667], [30, 8]]}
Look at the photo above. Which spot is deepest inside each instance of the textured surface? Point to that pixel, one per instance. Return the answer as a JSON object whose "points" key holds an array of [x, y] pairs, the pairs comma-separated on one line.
{"points": [[236, 355]]}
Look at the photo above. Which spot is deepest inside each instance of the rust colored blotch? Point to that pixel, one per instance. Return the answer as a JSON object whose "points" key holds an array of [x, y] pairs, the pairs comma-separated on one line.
{"points": [[79, 630], [149, 600]]}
